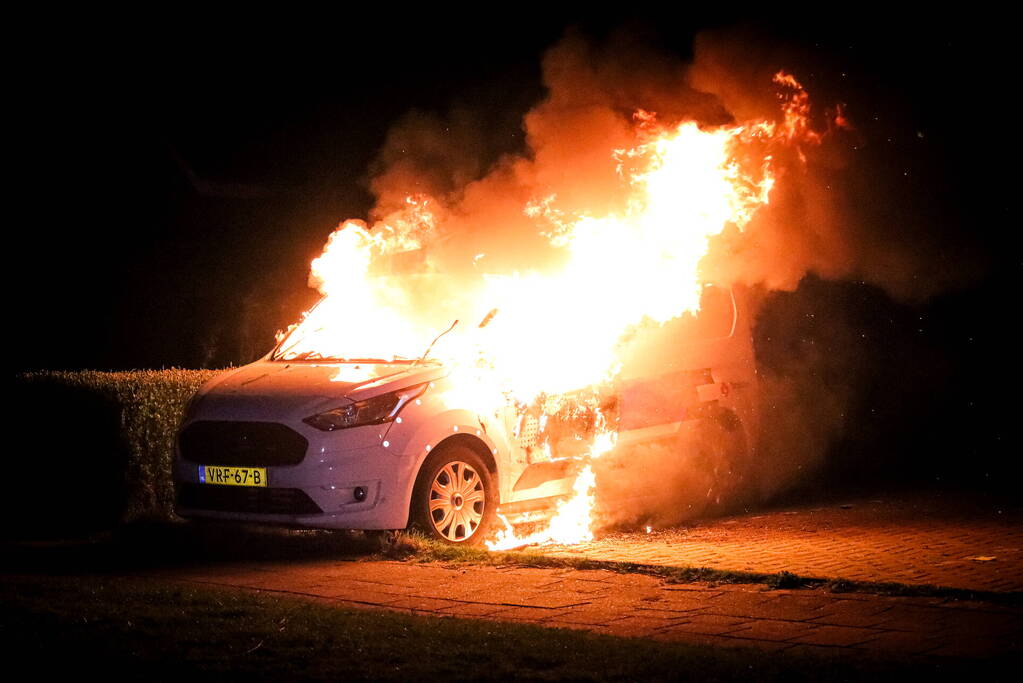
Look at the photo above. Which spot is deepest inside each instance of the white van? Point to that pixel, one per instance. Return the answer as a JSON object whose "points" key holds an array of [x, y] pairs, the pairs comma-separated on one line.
{"points": [[283, 441]]}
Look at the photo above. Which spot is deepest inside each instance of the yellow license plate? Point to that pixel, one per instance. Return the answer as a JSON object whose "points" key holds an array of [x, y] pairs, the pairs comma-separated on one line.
{"points": [[232, 476]]}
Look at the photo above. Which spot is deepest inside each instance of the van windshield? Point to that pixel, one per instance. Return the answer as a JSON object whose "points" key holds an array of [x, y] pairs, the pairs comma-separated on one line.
{"points": [[330, 333], [367, 321]]}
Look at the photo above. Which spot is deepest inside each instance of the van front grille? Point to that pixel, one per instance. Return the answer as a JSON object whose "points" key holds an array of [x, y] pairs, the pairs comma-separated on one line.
{"points": [[241, 444]]}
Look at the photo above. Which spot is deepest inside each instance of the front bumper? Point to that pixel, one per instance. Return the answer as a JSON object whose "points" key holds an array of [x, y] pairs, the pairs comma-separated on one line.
{"points": [[318, 492]]}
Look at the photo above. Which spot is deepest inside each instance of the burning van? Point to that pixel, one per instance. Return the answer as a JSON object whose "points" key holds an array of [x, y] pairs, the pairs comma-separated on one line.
{"points": [[378, 443], [602, 379]]}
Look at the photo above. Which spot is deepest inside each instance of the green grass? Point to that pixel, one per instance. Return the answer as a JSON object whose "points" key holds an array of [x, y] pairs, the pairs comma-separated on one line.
{"points": [[144, 629]]}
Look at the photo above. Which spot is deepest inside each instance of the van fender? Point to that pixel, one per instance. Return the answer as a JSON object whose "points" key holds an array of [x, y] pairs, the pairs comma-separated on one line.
{"points": [[431, 433]]}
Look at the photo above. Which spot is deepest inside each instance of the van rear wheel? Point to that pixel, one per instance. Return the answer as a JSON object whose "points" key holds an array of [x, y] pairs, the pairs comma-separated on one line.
{"points": [[454, 500], [721, 454]]}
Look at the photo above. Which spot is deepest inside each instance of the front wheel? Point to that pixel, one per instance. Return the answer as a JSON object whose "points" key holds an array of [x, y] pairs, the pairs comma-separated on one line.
{"points": [[454, 498]]}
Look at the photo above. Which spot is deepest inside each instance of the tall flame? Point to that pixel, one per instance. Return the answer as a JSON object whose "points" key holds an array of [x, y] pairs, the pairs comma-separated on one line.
{"points": [[558, 331]]}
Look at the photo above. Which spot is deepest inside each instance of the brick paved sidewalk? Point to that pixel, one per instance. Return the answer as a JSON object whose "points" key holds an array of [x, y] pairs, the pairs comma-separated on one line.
{"points": [[643, 606], [938, 540]]}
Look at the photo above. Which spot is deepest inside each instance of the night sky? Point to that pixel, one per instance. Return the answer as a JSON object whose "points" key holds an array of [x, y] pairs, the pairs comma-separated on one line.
{"points": [[181, 171]]}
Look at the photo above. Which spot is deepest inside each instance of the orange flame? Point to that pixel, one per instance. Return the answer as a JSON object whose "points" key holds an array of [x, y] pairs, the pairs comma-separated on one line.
{"points": [[558, 331]]}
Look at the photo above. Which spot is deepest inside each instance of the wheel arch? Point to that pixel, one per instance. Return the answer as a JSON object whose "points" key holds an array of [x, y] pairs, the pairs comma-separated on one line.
{"points": [[420, 484], [476, 444], [469, 441]]}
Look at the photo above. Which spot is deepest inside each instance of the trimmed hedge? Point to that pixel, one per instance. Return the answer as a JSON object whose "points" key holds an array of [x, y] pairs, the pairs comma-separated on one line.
{"points": [[95, 448]]}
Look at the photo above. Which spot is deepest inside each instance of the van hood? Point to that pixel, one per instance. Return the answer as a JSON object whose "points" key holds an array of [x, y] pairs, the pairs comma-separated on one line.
{"points": [[275, 390]]}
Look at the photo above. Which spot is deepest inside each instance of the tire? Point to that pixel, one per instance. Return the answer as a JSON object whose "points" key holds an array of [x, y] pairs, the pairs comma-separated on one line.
{"points": [[455, 499], [722, 454]]}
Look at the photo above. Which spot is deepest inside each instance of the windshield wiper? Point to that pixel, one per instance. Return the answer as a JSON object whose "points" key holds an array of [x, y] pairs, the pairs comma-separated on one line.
{"points": [[282, 351], [307, 355], [427, 352]]}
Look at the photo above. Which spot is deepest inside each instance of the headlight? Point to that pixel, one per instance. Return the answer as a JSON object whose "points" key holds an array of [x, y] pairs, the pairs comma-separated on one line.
{"points": [[372, 411]]}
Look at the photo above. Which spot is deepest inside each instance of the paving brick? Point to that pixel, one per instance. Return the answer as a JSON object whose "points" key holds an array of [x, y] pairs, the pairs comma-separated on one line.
{"points": [[692, 638], [577, 586], [534, 614], [852, 613], [362, 596], [637, 626], [772, 629], [819, 651], [916, 540], [588, 575], [681, 602], [674, 615], [468, 609], [755, 605], [837, 636], [798, 607], [592, 615], [628, 580], [501, 591], [417, 603], [902, 642], [708, 624], [911, 618], [891, 541], [699, 589], [736, 640]]}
